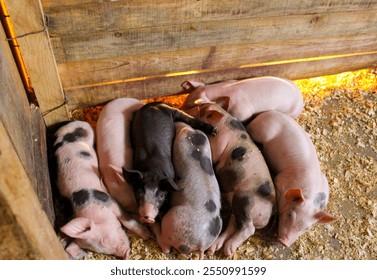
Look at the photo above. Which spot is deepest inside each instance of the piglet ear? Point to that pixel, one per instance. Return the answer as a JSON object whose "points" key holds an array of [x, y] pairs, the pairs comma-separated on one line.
{"points": [[132, 176], [169, 184], [117, 173], [294, 195], [223, 102], [77, 227], [324, 217], [212, 116]]}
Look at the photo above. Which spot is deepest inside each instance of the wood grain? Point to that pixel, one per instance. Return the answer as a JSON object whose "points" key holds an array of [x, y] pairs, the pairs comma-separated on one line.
{"points": [[148, 87], [40, 163], [37, 52], [157, 40], [86, 72], [71, 18], [26, 128], [14, 106], [25, 230]]}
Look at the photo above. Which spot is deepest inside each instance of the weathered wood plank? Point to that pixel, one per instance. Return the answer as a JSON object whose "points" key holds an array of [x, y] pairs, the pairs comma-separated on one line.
{"points": [[74, 17], [208, 34], [24, 228], [117, 68], [37, 52], [26, 127], [40, 159], [167, 85], [14, 106]]}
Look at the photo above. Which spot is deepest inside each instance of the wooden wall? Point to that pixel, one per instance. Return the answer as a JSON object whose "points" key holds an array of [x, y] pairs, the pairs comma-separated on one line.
{"points": [[107, 49], [90, 51], [26, 211]]}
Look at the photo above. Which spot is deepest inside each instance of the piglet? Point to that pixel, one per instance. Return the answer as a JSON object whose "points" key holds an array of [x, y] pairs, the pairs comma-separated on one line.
{"points": [[302, 189], [152, 134], [244, 178], [114, 149], [193, 221], [98, 219], [248, 97]]}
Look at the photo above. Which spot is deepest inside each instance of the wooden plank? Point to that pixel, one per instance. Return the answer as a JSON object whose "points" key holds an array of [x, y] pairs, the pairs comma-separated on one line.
{"points": [[36, 49], [67, 18], [166, 85], [26, 127], [208, 34], [25, 230], [14, 106], [117, 68], [40, 159]]}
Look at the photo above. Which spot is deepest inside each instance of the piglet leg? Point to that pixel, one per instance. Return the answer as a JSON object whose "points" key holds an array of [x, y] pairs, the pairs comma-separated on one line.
{"points": [[156, 229], [238, 237], [229, 231], [74, 251], [181, 116]]}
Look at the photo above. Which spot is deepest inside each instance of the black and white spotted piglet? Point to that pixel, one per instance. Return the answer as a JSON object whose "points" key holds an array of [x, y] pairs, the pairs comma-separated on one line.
{"points": [[244, 179], [98, 219], [193, 222]]}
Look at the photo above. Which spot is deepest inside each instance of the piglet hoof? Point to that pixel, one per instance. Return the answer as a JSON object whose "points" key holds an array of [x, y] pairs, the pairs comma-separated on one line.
{"points": [[211, 250], [126, 254], [285, 242], [74, 251], [229, 251], [187, 86], [166, 251]]}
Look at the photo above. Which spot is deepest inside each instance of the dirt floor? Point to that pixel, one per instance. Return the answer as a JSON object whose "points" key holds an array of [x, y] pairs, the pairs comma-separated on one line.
{"points": [[340, 115]]}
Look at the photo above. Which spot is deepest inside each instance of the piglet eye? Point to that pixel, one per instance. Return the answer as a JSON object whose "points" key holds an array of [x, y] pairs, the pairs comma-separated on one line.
{"points": [[161, 195]]}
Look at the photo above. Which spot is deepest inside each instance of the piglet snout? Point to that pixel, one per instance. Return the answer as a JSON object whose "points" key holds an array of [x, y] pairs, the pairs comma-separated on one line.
{"points": [[146, 219], [148, 213]]}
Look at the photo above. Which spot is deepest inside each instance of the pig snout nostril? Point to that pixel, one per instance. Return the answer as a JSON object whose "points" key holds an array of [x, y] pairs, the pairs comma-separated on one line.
{"points": [[146, 217]]}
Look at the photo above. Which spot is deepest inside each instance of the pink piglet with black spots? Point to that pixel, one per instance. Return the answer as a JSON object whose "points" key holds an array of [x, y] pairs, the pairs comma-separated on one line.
{"points": [[98, 219]]}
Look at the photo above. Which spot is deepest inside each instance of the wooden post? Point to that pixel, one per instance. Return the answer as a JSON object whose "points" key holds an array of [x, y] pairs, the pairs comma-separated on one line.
{"points": [[25, 230]]}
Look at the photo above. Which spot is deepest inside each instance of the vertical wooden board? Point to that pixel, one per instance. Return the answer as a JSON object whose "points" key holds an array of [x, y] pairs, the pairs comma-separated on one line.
{"points": [[25, 230], [14, 106], [40, 158], [26, 127], [28, 22]]}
